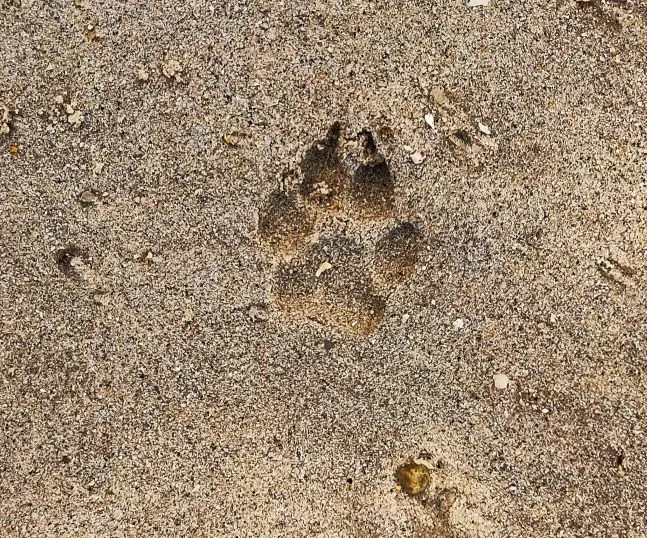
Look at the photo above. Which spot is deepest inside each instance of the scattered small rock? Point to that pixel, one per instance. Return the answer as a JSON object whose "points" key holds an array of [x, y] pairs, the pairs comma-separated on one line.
{"points": [[429, 118], [458, 324], [231, 140], [446, 499], [478, 3], [418, 156], [257, 313], [439, 96], [5, 120], [93, 33], [501, 381], [97, 168], [329, 344], [142, 75], [89, 197], [172, 69], [484, 129], [76, 118], [325, 266], [102, 298], [413, 478], [13, 149], [148, 257]]}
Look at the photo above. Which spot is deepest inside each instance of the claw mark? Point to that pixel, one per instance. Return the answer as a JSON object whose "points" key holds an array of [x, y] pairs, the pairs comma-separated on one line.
{"points": [[324, 175]]}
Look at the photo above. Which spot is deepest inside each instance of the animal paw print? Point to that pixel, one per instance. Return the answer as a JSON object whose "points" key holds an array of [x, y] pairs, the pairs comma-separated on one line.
{"points": [[319, 224]]}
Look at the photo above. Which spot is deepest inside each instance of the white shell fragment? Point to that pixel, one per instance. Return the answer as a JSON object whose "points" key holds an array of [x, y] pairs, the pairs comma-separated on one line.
{"points": [[418, 156], [458, 324], [325, 266], [478, 3], [429, 118], [501, 381], [484, 129]]}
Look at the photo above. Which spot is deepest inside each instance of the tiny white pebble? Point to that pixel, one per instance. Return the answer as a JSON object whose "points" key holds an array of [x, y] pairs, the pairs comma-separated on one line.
{"points": [[418, 156], [325, 266], [429, 118], [501, 381], [484, 129], [458, 324]]}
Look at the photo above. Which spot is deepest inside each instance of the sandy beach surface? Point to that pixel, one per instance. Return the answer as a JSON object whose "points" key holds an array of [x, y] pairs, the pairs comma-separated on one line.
{"points": [[323, 268]]}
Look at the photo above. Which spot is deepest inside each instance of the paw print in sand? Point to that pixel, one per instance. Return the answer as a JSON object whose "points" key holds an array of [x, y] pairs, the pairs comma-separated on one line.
{"points": [[320, 226]]}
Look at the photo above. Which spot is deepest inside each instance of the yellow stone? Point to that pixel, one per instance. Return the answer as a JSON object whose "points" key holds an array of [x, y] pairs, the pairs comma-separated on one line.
{"points": [[413, 478]]}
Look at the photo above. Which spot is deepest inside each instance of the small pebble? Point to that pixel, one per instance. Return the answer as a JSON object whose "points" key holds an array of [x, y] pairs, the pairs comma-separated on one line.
{"points": [[142, 75], [257, 314], [325, 266], [88, 196], [413, 477], [458, 324], [501, 381], [439, 96], [76, 118], [172, 69], [484, 129], [5, 120], [231, 140], [418, 156]]}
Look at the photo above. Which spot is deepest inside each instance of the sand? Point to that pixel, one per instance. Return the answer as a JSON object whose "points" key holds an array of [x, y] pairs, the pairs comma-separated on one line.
{"points": [[219, 319]]}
